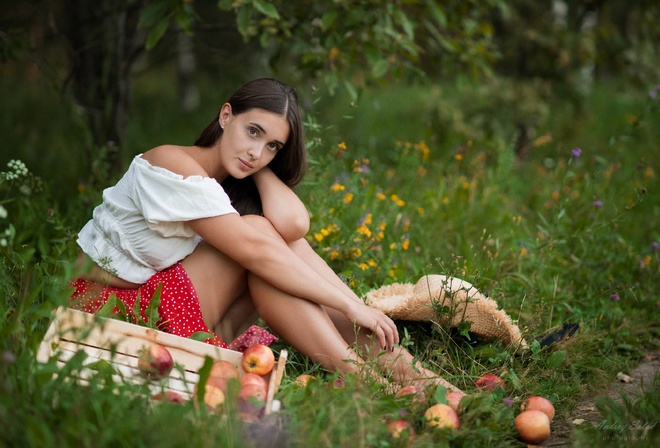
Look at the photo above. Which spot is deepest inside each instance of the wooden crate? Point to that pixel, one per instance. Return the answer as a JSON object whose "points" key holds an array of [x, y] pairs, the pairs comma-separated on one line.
{"points": [[119, 343]]}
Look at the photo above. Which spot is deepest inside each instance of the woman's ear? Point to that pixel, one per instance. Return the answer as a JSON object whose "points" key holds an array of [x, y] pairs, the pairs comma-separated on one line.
{"points": [[225, 115]]}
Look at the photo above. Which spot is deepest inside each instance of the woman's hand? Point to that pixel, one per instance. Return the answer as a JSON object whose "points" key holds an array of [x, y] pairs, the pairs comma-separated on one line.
{"points": [[375, 320]]}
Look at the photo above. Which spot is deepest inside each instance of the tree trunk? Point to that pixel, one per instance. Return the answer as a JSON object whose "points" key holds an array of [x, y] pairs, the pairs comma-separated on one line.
{"points": [[104, 44]]}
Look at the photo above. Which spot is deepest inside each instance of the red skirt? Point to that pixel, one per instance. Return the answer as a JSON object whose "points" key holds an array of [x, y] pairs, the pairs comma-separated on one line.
{"points": [[179, 310]]}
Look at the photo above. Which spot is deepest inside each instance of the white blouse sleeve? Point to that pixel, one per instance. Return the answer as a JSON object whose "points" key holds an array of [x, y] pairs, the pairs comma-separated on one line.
{"points": [[165, 198]]}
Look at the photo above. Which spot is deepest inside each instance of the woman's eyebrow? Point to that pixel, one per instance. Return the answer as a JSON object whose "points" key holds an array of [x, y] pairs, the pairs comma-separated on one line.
{"points": [[263, 131]]}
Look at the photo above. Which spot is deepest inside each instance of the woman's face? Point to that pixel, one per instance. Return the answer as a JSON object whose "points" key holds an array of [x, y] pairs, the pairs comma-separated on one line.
{"points": [[250, 140]]}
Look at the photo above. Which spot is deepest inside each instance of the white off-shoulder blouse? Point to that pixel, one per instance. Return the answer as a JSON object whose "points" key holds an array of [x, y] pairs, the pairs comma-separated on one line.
{"points": [[140, 227]]}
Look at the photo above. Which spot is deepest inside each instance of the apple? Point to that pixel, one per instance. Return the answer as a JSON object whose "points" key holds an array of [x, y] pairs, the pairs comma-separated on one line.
{"points": [[258, 359], [304, 380], [454, 399], [489, 381], [169, 396], [533, 426], [441, 416], [155, 362], [401, 429], [338, 383], [416, 392], [221, 372], [214, 397], [539, 404], [254, 379], [251, 400]]}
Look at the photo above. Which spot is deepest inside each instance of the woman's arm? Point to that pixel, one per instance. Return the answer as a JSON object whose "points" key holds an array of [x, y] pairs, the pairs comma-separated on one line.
{"points": [[272, 260], [281, 206]]}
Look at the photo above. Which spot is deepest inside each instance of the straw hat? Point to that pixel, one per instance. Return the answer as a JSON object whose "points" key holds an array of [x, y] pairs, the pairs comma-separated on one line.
{"points": [[420, 302]]}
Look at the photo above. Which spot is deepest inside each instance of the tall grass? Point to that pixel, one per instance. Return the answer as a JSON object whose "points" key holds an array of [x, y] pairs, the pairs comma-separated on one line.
{"points": [[416, 181]]}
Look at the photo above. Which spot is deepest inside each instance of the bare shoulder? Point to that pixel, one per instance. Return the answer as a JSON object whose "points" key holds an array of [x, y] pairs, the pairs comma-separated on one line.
{"points": [[178, 159]]}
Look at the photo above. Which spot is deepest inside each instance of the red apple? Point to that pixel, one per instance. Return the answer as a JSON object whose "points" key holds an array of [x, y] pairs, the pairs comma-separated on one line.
{"points": [[441, 416], [251, 400], [303, 380], [221, 372], [416, 392], [454, 399], [537, 403], [532, 426], [214, 397], [489, 381], [338, 383], [401, 429], [253, 378], [258, 359], [169, 396], [155, 362]]}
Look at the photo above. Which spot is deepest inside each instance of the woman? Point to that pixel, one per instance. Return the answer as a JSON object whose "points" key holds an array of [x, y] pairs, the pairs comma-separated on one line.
{"points": [[169, 222]]}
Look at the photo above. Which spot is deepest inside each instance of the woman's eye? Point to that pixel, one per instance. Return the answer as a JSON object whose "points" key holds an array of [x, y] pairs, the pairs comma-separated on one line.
{"points": [[273, 146], [253, 131]]}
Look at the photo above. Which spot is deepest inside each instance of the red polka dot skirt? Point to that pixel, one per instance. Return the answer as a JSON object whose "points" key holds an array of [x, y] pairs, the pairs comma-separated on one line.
{"points": [[179, 309]]}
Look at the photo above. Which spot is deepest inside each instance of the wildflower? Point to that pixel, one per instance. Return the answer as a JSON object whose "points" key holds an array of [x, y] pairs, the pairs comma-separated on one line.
{"points": [[542, 140], [445, 200], [655, 245], [364, 266], [523, 251], [420, 210], [576, 153], [396, 199], [424, 149], [615, 297], [3, 212], [421, 171], [356, 252], [598, 204], [458, 157], [348, 198], [372, 263], [364, 230], [337, 187], [334, 255], [380, 196], [318, 237], [342, 146], [367, 219], [405, 244], [554, 196], [645, 261]]}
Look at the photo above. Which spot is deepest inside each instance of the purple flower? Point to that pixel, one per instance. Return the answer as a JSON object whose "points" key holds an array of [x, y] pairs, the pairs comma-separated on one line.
{"points": [[576, 152], [652, 94], [615, 297], [598, 204], [507, 401], [655, 245]]}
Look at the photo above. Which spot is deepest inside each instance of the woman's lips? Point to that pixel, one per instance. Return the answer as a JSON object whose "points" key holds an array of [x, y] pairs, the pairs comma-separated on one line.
{"points": [[245, 164]]}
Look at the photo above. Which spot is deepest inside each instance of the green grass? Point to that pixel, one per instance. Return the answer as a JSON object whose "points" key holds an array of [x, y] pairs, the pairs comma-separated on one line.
{"points": [[419, 180]]}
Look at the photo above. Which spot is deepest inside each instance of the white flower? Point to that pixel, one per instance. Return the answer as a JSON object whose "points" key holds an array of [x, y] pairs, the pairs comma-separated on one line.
{"points": [[3, 212]]}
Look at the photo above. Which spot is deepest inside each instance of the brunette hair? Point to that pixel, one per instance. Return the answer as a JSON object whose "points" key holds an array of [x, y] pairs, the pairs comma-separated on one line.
{"points": [[290, 162]]}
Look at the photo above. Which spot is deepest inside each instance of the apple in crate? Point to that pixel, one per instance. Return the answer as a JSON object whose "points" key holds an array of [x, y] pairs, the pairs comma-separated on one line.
{"points": [[155, 361], [221, 372], [252, 379], [441, 416], [258, 359], [169, 396]]}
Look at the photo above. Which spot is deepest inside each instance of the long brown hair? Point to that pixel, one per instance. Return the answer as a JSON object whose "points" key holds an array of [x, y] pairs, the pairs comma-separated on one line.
{"points": [[290, 162]]}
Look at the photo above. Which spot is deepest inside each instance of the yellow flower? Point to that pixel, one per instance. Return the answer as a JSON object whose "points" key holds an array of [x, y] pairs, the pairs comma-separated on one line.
{"points": [[445, 200], [421, 171], [424, 149], [397, 200], [392, 246], [380, 196], [333, 53], [405, 244], [648, 172], [337, 187], [523, 251], [334, 255], [458, 157], [325, 232], [372, 263], [367, 219], [364, 266], [342, 146], [356, 252], [364, 230], [348, 198], [554, 196], [318, 237], [542, 140], [420, 211], [382, 225]]}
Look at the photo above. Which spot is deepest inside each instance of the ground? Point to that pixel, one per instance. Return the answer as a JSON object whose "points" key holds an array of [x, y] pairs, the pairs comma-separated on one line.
{"points": [[637, 382]]}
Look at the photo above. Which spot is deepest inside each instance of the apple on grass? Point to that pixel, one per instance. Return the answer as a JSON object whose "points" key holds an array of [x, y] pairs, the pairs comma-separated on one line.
{"points": [[539, 404], [454, 399], [418, 395], [533, 426], [401, 429], [304, 380], [441, 416], [258, 359], [488, 382], [155, 362]]}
